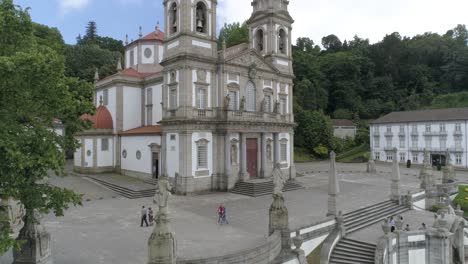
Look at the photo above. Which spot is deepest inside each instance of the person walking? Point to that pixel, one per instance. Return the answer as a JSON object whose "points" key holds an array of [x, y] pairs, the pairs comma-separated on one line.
{"points": [[143, 216], [392, 224], [150, 216], [220, 213], [224, 216]]}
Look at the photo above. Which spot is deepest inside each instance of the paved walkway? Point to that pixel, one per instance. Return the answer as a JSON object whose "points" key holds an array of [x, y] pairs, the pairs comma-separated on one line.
{"points": [[108, 231]]}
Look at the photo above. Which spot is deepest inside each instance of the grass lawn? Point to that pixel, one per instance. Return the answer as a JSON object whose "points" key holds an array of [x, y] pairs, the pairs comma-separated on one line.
{"points": [[314, 256], [301, 155], [357, 154]]}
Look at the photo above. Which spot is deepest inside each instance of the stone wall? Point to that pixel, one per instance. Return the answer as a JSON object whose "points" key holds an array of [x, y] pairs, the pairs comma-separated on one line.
{"points": [[262, 254]]}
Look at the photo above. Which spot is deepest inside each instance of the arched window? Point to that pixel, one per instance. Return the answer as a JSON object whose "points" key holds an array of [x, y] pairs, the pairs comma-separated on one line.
{"points": [[201, 17], [282, 41], [173, 18], [251, 97], [259, 40]]}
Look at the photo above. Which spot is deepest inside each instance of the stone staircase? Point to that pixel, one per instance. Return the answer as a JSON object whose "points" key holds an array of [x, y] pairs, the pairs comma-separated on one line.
{"points": [[370, 215], [151, 181], [263, 187], [349, 251], [124, 191]]}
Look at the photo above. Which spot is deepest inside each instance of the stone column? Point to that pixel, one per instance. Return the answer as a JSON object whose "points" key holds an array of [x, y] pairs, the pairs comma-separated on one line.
{"points": [[263, 157], [371, 164], [163, 154], [395, 186], [292, 166], [426, 173], [333, 186], [227, 156], [243, 157], [276, 148]]}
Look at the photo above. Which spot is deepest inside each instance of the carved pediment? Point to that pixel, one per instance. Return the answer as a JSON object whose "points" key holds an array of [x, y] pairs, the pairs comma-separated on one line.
{"points": [[252, 58]]}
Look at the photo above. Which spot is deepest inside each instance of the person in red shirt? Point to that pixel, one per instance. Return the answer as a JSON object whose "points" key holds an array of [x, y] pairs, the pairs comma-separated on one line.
{"points": [[220, 213]]}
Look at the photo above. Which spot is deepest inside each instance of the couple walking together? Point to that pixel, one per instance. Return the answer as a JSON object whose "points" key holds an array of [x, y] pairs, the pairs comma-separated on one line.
{"points": [[222, 218]]}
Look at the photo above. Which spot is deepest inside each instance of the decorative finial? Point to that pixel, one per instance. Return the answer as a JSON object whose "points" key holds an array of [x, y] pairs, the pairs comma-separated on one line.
{"points": [[100, 100], [157, 27], [126, 39], [96, 76], [140, 34], [119, 65]]}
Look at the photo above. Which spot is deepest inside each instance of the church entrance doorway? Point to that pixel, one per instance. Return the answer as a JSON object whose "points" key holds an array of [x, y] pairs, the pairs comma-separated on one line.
{"points": [[155, 165], [252, 156]]}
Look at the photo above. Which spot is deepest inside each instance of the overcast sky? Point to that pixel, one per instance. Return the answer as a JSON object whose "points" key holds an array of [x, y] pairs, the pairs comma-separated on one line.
{"points": [[371, 19]]}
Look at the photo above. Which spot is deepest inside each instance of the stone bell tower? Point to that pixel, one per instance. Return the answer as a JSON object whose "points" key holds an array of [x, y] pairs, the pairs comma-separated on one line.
{"points": [[270, 29], [190, 27]]}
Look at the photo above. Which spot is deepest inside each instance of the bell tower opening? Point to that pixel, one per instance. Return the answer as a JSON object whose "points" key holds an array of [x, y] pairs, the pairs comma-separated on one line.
{"points": [[173, 18], [201, 18], [259, 40], [282, 41]]}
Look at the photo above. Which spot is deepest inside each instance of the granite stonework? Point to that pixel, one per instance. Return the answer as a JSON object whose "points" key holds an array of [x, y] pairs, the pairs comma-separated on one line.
{"points": [[333, 186], [395, 185]]}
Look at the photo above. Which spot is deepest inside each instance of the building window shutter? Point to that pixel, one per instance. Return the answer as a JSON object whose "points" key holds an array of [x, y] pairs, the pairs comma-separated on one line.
{"points": [[283, 105], [104, 144], [202, 157], [267, 103], [149, 116], [105, 97], [284, 152], [149, 96], [201, 95], [173, 98]]}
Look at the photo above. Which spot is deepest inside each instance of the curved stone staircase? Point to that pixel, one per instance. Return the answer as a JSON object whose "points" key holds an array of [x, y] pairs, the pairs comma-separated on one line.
{"points": [[349, 251]]}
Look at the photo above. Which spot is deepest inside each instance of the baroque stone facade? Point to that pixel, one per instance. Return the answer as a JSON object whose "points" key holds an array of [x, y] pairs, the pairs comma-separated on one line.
{"points": [[207, 118]]}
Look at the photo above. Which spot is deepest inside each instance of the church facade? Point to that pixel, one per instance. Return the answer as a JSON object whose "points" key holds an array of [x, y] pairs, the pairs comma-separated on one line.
{"points": [[205, 117]]}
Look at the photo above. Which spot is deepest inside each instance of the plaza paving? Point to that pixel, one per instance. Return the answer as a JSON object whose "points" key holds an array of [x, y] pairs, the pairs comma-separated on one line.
{"points": [[107, 229]]}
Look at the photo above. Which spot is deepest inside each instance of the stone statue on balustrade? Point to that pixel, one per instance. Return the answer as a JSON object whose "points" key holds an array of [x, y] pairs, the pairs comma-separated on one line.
{"points": [[279, 217], [242, 104], [227, 101]]}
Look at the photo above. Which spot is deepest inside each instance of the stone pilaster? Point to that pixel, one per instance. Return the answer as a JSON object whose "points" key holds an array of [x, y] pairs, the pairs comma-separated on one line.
{"points": [[263, 156], [243, 157], [333, 186], [276, 147], [36, 249], [227, 156], [292, 166], [395, 185]]}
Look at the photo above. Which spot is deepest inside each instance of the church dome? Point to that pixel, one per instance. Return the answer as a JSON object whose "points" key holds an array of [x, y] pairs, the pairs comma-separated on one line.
{"points": [[101, 120]]}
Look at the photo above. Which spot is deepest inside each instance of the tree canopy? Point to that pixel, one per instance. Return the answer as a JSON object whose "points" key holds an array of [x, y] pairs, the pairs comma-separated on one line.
{"points": [[34, 94]]}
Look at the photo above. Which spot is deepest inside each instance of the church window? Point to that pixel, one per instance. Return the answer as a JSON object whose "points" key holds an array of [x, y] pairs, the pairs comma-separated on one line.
{"points": [[173, 18], [284, 151], [105, 97], [104, 144], [458, 159], [267, 103], [201, 98], [173, 137], [283, 105], [282, 41], [88, 153], [149, 115], [389, 156], [268, 151], [201, 17], [202, 154], [173, 98], [138, 155], [232, 100], [124, 154], [149, 96], [259, 40], [251, 97], [148, 53]]}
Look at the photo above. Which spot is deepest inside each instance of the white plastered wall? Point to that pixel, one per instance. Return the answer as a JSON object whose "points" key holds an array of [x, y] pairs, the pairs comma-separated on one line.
{"points": [[88, 145], [172, 154], [132, 144], [132, 108], [77, 155], [157, 100], [196, 137], [105, 158]]}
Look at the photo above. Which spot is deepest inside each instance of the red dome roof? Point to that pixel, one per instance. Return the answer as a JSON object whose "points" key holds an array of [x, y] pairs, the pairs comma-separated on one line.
{"points": [[102, 119]]}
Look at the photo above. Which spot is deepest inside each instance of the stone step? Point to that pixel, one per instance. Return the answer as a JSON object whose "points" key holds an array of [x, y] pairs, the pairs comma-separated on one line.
{"points": [[370, 221], [356, 247], [151, 181], [349, 251], [350, 241], [368, 208], [256, 189], [357, 256], [353, 252], [364, 214], [123, 191], [339, 260]]}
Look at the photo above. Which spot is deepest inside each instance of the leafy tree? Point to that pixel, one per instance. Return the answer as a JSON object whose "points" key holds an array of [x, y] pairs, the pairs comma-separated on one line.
{"points": [[91, 33], [332, 43], [50, 37], [33, 93], [315, 129], [233, 34]]}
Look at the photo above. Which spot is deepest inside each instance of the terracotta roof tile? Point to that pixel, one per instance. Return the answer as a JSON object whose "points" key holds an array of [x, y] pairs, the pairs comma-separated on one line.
{"points": [[153, 36], [448, 114], [142, 131], [101, 120], [342, 122]]}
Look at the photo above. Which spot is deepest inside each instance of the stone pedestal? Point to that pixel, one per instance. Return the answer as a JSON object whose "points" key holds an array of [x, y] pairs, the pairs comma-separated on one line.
{"points": [[300, 254], [395, 186], [371, 166], [162, 243], [36, 249], [279, 220]]}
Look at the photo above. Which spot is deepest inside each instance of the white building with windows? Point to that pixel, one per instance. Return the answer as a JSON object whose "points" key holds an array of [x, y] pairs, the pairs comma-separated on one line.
{"points": [[441, 132], [208, 118]]}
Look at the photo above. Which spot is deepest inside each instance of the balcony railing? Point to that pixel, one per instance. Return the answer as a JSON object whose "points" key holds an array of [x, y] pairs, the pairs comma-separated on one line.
{"points": [[440, 150], [434, 133], [388, 134], [457, 133], [414, 132], [227, 115]]}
